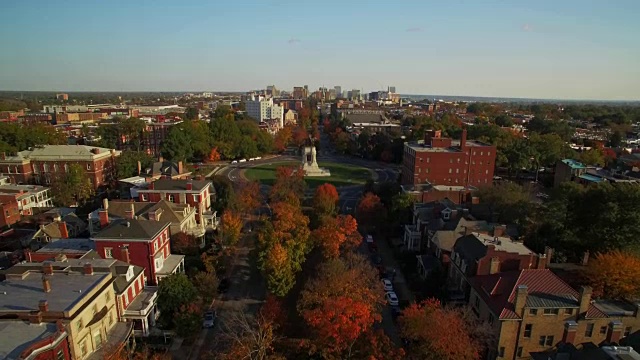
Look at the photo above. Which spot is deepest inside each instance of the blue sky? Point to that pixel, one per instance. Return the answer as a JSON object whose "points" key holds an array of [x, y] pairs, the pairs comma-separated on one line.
{"points": [[569, 49]]}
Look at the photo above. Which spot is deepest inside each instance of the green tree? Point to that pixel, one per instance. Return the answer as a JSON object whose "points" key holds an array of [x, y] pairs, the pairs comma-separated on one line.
{"points": [[191, 113], [173, 292], [127, 163], [592, 157], [225, 194], [225, 135], [73, 187], [508, 203], [503, 120]]}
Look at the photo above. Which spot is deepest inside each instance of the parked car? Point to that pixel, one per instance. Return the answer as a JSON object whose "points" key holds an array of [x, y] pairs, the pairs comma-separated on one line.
{"points": [[396, 311], [234, 162], [392, 298], [376, 259], [259, 158], [252, 159], [209, 320], [223, 286], [369, 239], [388, 286], [242, 160]]}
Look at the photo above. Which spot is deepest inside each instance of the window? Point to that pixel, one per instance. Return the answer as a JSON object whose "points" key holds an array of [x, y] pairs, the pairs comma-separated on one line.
{"points": [[551, 311], [97, 339], [60, 355], [546, 341], [527, 330], [196, 198], [533, 312], [428, 159], [519, 352], [171, 198], [83, 349], [488, 153], [457, 171], [627, 331], [501, 351], [450, 170], [481, 153], [603, 330], [450, 161], [477, 302], [79, 325], [143, 197], [88, 166], [108, 253], [568, 311], [589, 330]]}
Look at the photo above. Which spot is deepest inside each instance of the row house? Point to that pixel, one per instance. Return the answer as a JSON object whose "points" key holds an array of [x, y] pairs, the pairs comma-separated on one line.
{"points": [[147, 243], [26, 196], [41, 164], [56, 311], [532, 311], [199, 194], [164, 169]]}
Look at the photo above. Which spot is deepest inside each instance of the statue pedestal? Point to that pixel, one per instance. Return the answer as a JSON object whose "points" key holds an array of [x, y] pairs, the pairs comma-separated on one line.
{"points": [[310, 164]]}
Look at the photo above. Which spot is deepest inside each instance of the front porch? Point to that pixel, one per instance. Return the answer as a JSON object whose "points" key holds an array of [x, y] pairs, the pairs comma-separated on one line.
{"points": [[119, 337], [171, 265], [412, 237], [211, 220], [142, 312]]}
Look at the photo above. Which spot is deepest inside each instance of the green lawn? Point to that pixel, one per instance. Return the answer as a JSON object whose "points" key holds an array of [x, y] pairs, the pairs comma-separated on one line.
{"points": [[341, 174]]}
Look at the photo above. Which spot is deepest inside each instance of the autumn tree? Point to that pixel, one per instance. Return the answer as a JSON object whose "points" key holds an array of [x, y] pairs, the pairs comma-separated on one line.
{"points": [[336, 234], [182, 243], [370, 210], [283, 138], [376, 345], [231, 227], [248, 197], [72, 187], [325, 199], [340, 304], [249, 337], [300, 136], [214, 155], [614, 275], [431, 328], [188, 320], [173, 292], [289, 185], [206, 283]]}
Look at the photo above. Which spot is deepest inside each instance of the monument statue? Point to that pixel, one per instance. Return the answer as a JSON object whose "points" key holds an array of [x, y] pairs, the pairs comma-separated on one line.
{"points": [[310, 164]]}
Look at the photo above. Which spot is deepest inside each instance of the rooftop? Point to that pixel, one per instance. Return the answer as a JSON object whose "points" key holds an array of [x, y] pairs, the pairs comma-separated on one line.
{"points": [[132, 229], [80, 246], [574, 164], [17, 336], [591, 178], [474, 245], [420, 146], [170, 264], [66, 152], [177, 185], [170, 212]]}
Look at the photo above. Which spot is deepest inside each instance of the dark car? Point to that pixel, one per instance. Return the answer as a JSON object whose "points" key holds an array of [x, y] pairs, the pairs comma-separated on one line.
{"points": [[376, 259], [223, 286]]}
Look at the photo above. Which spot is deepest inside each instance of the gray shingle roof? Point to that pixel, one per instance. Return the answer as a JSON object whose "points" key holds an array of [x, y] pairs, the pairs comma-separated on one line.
{"points": [[179, 185], [542, 300], [132, 229]]}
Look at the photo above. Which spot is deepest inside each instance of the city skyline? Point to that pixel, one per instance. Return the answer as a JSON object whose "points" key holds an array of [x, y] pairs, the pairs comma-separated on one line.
{"points": [[547, 50]]}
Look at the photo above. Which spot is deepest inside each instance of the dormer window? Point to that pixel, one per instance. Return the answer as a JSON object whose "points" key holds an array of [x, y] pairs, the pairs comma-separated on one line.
{"points": [[446, 214], [129, 275]]}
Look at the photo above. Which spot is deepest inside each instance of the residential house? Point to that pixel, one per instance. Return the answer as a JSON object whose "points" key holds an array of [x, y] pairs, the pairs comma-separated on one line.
{"points": [[199, 194], [164, 169], [146, 241], [27, 197], [53, 227]]}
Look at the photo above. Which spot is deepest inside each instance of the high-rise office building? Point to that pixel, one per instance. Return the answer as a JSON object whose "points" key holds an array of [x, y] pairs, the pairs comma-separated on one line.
{"points": [[392, 89], [263, 109], [338, 90]]}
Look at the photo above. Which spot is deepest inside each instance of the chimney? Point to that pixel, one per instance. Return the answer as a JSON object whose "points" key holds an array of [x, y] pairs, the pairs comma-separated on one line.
{"points": [[139, 168], [46, 284], [131, 213], [499, 230], [47, 268], [521, 299], [585, 299], [189, 185], [43, 305], [64, 233], [463, 139], [3, 156], [35, 318], [105, 204], [151, 186], [548, 251], [541, 261], [27, 255], [104, 218], [614, 332], [585, 258], [88, 269], [124, 254], [180, 167], [495, 265], [160, 159], [570, 329]]}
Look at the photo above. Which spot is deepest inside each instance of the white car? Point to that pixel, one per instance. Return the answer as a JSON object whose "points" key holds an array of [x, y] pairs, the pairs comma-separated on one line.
{"points": [[209, 319], [388, 286], [392, 298], [259, 158], [369, 239], [252, 159], [242, 160], [234, 162]]}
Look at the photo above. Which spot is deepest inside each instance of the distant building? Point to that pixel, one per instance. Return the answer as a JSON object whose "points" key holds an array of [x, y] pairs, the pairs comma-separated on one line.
{"points": [[264, 110], [338, 90], [300, 92], [290, 117], [62, 96], [154, 134], [392, 89], [355, 95]]}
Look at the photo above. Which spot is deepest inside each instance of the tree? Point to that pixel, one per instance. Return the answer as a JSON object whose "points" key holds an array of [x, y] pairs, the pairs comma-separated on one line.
{"points": [[376, 345], [300, 136], [225, 195], [214, 155], [592, 157], [283, 138], [188, 321], [173, 292], [503, 120], [289, 185], [191, 113], [231, 227], [279, 270], [250, 337], [325, 199], [431, 329], [249, 197], [614, 275], [370, 210], [206, 283], [336, 234], [340, 304], [182, 243], [508, 203], [72, 187], [225, 135], [127, 163]]}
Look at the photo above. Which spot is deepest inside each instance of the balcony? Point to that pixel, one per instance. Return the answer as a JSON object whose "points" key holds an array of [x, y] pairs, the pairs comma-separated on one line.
{"points": [[210, 219], [195, 231], [412, 237]]}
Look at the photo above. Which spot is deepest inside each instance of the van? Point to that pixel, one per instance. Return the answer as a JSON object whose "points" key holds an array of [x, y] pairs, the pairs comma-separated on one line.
{"points": [[242, 160]]}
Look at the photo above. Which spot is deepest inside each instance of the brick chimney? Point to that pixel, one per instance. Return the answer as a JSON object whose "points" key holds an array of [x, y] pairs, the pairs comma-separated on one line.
{"points": [[521, 299], [585, 258], [43, 305], [64, 233], [124, 254], [548, 251], [151, 186], [180, 167], [570, 329], [139, 168], [27, 255], [494, 268], [499, 230], [131, 213], [541, 261], [46, 284], [463, 139], [614, 332], [189, 185], [585, 299], [88, 269], [104, 218], [47, 268]]}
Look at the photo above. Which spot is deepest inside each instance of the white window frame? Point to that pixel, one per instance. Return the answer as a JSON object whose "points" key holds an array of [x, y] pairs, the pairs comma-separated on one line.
{"points": [[172, 198], [143, 197], [88, 166], [108, 253]]}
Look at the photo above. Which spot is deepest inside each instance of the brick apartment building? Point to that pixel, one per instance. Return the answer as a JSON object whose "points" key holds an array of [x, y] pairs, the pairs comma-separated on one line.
{"points": [[154, 134], [442, 161], [41, 164]]}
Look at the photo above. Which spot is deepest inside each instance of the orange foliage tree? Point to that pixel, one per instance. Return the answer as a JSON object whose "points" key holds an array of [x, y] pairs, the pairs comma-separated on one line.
{"points": [[231, 227], [248, 197], [436, 333], [336, 234], [325, 199], [300, 136], [376, 345], [289, 185], [614, 275], [283, 138], [214, 155], [370, 209], [182, 243], [340, 304]]}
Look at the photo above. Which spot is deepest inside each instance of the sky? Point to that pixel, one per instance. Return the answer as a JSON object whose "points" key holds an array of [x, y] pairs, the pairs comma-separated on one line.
{"points": [[560, 49]]}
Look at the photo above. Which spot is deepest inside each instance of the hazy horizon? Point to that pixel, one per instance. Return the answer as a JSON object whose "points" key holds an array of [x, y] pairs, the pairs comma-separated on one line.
{"points": [[572, 50]]}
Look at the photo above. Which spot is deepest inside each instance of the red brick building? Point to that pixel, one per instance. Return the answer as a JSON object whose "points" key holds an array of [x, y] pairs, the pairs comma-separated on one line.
{"points": [[154, 134], [9, 213], [144, 243], [41, 164], [443, 161], [197, 193]]}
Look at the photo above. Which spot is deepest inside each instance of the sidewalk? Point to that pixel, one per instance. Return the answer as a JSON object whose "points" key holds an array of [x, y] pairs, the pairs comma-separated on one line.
{"points": [[399, 282]]}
